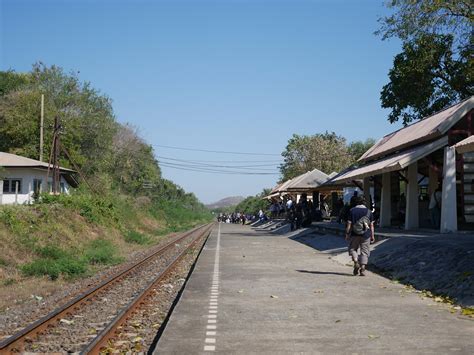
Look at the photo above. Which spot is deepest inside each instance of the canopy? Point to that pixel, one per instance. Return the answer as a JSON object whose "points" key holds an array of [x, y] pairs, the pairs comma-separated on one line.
{"points": [[425, 130], [308, 182], [466, 145], [395, 162]]}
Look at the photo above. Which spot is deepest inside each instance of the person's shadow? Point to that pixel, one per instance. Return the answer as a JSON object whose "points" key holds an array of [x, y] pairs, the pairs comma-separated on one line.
{"points": [[324, 273]]}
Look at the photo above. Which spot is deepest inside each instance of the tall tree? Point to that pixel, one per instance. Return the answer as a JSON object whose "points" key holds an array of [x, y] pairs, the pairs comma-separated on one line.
{"points": [[435, 68], [327, 152], [358, 148]]}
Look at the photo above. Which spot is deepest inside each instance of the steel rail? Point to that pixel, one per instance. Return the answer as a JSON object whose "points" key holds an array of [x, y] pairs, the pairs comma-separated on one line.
{"points": [[109, 332], [15, 342]]}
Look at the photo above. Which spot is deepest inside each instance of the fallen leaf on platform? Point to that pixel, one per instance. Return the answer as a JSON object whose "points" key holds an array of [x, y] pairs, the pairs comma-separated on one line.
{"points": [[273, 296], [438, 299], [241, 291], [68, 322], [337, 321], [92, 331], [137, 339], [371, 336]]}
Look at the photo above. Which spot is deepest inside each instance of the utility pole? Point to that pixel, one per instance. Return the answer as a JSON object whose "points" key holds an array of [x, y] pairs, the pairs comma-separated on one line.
{"points": [[56, 150], [41, 128]]}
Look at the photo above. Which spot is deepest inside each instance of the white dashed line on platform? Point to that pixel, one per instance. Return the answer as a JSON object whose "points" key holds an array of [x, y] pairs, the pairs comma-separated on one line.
{"points": [[212, 316]]}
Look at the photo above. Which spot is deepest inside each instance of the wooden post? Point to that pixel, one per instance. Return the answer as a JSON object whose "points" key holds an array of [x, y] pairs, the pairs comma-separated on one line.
{"points": [[386, 201], [16, 192], [30, 184], [41, 128]]}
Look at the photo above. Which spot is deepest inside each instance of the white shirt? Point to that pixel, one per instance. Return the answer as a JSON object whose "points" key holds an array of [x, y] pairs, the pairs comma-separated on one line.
{"points": [[433, 199]]}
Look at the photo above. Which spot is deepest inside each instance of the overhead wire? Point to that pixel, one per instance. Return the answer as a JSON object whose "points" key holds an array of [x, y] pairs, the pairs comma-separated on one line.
{"points": [[213, 151], [223, 161], [214, 171], [199, 164]]}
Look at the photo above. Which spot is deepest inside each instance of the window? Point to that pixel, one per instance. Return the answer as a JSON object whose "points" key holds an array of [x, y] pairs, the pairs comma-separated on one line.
{"points": [[9, 186], [37, 185]]}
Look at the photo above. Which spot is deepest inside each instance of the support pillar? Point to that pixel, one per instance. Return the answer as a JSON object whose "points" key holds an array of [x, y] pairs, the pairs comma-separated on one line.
{"points": [[449, 221], [316, 200], [432, 180], [386, 201], [367, 190], [411, 216], [1, 192]]}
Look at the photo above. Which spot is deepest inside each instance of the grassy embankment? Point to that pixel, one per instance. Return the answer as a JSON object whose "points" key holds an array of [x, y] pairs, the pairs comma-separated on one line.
{"points": [[66, 237]]}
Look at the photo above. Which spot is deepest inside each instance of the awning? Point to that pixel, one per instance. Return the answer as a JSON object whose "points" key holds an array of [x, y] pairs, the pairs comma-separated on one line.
{"points": [[308, 181], [466, 145], [395, 162], [269, 197]]}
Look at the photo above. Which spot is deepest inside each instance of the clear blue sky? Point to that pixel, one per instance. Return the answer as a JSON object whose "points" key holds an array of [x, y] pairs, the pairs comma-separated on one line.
{"points": [[232, 75]]}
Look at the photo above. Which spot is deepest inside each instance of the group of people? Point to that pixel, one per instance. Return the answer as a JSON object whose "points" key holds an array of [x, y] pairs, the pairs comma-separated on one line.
{"points": [[234, 217]]}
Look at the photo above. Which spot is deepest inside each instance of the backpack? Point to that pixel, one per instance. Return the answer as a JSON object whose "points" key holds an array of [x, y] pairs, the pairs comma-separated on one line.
{"points": [[362, 224]]}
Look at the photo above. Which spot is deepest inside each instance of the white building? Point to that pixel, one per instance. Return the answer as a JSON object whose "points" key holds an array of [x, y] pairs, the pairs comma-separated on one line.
{"points": [[21, 178]]}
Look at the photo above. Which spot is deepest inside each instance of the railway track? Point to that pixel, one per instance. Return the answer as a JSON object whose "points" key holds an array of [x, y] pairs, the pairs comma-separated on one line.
{"points": [[91, 321]]}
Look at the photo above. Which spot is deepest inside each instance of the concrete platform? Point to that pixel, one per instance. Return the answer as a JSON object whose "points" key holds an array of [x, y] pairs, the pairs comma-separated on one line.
{"points": [[258, 293]]}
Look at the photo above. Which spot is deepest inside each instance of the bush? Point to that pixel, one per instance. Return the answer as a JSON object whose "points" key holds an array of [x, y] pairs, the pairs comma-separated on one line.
{"points": [[53, 268], [54, 261], [136, 237], [101, 251]]}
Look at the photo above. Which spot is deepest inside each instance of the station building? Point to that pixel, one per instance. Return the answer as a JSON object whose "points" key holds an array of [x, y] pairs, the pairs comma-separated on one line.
{"points": [[21, 178], [406, 166]]}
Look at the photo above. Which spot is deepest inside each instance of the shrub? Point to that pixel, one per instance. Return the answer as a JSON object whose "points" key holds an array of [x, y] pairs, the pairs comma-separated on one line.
{"points": [[53, 268], [102, 251], [136, 237]]}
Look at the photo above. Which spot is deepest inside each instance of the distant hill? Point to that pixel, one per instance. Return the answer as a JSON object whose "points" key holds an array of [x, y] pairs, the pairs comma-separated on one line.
{"points": [[226, 202]]}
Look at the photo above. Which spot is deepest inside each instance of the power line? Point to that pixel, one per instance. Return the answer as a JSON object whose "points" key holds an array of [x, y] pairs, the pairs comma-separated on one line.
{"points": [[214, 171], [198, 164], [223, 161], [212, 151]]}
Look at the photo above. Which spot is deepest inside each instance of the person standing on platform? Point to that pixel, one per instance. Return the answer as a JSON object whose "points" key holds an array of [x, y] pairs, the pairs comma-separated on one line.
{"points": [[435, 208], [360, 233]]}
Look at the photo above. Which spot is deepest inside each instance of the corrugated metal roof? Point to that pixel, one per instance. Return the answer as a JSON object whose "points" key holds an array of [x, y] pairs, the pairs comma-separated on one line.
{"points": [[308, 181], [8, 160], [392, 163], [466, 145], [427, 129]]}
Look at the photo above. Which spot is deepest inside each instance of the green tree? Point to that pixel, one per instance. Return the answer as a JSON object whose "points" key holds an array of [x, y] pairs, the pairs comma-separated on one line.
{"points": [[252, 204], [87, 119], [327, 152], [358, 148], [435, 68]]}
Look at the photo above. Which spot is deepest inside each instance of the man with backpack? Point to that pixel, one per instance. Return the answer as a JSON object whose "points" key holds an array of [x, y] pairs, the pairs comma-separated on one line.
{"points": [[360, 233]]}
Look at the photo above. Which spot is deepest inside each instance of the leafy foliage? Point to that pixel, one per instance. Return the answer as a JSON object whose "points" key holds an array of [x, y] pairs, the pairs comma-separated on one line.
{"points": [[253, 204], [136, 237], [435, 68], [357, 148], [327, 152]]}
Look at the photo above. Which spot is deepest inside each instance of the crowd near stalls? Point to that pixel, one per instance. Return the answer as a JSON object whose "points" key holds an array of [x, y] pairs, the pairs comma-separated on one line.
{"points": [[421, 176], [235, 217]]}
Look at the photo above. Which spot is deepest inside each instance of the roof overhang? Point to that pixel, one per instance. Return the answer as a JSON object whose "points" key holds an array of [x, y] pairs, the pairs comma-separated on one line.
{"points": [[398, 161], [466, 145]]}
